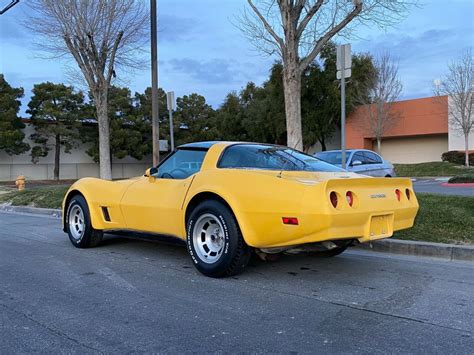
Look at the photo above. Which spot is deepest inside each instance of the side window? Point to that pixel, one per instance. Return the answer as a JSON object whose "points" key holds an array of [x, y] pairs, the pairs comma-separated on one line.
{"points": [[373, 158], [181, 164], [360, 157]]}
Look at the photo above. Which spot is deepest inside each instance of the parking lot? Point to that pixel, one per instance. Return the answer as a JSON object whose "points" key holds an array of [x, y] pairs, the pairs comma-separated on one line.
{"points": [[133, 295]]}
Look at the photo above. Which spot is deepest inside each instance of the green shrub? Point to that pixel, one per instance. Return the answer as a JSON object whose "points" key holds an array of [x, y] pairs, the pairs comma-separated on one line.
{"points": [[462, 179], [457, 157]]}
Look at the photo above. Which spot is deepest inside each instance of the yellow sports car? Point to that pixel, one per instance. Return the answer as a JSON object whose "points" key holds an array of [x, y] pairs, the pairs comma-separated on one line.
{"points": [[225, 199]]}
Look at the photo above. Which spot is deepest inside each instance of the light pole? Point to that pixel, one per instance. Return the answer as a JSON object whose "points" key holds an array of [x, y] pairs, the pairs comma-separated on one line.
{"points": [[154, 85], [9, 6]]}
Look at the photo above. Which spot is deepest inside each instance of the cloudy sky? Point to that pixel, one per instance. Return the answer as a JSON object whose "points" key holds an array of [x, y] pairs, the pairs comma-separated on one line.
{"points": [[200, 50]]}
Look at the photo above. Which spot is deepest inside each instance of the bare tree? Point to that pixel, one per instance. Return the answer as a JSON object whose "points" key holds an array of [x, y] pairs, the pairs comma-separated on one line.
{"points": [[101, 36], [459, 86], [384, 90], [297, 30]]}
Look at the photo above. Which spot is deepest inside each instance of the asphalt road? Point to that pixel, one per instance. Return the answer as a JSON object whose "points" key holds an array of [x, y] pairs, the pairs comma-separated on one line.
{"points": [[133, 296], [436, 187]]}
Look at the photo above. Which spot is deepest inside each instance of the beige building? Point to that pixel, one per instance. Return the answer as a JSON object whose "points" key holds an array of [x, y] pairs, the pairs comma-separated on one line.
{"points": [[421, 131]]}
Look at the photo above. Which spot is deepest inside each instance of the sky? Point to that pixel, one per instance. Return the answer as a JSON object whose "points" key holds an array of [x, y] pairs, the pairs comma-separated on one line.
{"points": [[201, 50]]}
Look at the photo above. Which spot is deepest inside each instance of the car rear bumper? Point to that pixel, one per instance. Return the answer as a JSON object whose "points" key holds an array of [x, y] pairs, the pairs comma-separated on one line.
{"points": [[376, 213]]}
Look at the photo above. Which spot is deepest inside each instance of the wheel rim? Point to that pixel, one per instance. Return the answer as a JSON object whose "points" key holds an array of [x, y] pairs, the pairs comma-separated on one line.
{"points": [[208, 238], [76, 222]]}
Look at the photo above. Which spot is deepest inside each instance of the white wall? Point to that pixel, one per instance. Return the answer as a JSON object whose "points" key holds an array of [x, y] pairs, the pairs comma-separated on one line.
{"points": [[333, 143], [455, 136], [412, 150], [74, 165]]}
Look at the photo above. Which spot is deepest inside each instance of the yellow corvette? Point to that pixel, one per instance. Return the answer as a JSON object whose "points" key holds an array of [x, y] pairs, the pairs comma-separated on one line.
{"points": [[225, 199]]}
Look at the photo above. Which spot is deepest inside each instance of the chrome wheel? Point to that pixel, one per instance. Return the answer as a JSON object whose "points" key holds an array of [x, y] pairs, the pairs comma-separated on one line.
{"points": [[76, 222], [208, 238]]}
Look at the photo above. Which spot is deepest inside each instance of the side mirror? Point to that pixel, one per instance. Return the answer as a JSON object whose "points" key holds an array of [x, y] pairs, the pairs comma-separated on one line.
{"points": [[356, 162], [151, 172]]}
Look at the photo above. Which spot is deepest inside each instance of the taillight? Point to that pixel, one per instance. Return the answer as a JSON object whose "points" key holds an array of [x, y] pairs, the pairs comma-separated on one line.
{"points": [[350, 198], [293, 221], [333, 198], [408, 193], [399, 194]]}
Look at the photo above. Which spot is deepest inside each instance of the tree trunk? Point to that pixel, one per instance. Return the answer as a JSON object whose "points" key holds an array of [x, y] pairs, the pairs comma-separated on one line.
{"points": [[379, 145], [323, 144], [466, 147], [57, 152], [292, 89], [105, 166]]}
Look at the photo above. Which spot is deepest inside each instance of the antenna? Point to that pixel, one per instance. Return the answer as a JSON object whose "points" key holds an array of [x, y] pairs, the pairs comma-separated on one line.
{"points": [[291, 155]]}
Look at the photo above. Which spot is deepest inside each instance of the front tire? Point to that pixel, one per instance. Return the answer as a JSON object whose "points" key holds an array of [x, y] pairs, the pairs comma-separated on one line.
{"points": [[79, 227], [215, 242]]}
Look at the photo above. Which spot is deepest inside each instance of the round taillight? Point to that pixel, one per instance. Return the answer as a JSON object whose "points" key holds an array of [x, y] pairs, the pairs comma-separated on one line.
{"points": [[350, 198], [407, 192], [333, 198], [399, 194]]}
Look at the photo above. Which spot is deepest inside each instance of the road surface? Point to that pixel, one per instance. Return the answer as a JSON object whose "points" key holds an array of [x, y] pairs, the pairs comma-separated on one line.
{"points": [[436, 187], [133, 296]]}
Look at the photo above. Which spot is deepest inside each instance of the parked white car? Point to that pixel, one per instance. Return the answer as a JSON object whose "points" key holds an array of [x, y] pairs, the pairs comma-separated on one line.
{"points": [[360, 161]]}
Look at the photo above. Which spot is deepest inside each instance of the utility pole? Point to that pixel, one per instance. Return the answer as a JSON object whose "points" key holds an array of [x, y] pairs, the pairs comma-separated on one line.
{"points": [[170, 102], [344, 64], [154, 85]]}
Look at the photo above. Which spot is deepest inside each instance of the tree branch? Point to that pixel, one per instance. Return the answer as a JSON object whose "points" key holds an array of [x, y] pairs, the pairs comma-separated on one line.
{"points": [[333, 31], [112, 57], [267, 26], [309, 15]]}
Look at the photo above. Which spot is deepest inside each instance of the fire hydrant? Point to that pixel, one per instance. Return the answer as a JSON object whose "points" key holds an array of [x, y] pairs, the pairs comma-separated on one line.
{"points": [[20, 182]]}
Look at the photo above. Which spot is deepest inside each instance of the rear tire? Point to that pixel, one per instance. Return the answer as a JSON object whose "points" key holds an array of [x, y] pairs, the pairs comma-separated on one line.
{"points": [[215, 243], [79, 227]]}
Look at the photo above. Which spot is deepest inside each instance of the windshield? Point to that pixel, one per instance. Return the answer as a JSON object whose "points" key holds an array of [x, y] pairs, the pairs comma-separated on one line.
{"points": [[330, 157], [181, 164], [255, 156]]}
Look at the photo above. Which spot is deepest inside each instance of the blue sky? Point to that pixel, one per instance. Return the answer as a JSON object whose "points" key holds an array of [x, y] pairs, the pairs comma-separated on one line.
{"points": [[200, 50]]}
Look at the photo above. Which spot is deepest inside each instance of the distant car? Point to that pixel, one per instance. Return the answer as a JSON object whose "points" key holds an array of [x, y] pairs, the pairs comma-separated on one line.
{"points": [[360, 161]]}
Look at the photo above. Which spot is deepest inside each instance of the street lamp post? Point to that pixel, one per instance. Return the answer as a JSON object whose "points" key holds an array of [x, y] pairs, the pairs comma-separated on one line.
{"points": [[154, 85]]}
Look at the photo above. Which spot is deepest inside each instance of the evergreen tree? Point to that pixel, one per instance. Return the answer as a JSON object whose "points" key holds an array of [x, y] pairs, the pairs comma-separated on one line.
{"points": [[321, 97], [54, 110], [11, 134], [194, 120]]}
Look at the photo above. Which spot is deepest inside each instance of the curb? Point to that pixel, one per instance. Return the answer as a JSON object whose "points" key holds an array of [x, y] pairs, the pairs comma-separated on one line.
{"points": [[458, 184], [47, 212], [425, 249]]}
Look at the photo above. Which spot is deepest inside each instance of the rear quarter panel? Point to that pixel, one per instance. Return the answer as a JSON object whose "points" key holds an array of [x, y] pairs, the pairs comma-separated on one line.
{"points": [[257, 199]]}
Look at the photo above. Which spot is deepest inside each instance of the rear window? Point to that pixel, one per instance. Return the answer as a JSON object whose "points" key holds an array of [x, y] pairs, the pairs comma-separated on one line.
{"points": [[265, 157], [330, 157]]}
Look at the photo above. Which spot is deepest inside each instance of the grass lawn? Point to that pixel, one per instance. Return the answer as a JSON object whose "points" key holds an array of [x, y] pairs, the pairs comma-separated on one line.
{"points": [[44, 197], [442, 219], [431, 169]]}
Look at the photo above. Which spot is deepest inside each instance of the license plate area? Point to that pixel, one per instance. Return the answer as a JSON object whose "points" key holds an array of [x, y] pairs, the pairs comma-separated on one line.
{"points": [[381, 226]]}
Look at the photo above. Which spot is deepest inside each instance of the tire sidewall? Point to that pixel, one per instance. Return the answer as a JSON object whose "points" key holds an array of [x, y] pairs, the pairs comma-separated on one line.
{"points": [[84, 240], [231, 238]]}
